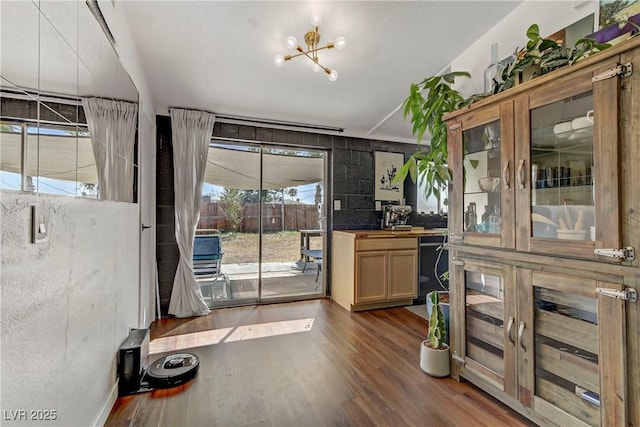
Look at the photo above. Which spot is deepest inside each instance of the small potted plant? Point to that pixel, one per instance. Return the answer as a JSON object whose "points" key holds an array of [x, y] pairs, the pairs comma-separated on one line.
{"points": [[434, 351]]}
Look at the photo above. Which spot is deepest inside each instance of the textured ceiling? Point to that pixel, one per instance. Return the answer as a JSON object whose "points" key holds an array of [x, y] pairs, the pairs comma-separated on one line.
{"points": [[218, 56]]}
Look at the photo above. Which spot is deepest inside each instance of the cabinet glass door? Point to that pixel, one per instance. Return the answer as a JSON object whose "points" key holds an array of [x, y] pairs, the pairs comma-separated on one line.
{"points": [[487, 353], [482, 165], [562, 170], [566, 353]]}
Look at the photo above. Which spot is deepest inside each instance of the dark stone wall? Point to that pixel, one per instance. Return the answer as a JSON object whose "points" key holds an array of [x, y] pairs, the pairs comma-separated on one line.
{"points": [[350, 180], [49, 111]]}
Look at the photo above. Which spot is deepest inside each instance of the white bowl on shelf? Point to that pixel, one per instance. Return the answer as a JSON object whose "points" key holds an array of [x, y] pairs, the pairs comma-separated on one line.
{"points": [[488, 184], [562, 128], [581, 123], [583, 134]]}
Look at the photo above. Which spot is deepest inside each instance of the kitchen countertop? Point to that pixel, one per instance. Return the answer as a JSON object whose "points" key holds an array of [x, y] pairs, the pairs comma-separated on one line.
{"points": [[414, 232]]}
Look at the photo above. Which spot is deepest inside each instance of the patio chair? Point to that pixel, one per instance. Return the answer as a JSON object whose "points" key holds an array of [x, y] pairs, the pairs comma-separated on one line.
{"points": [[207, 253], [207, 263]]}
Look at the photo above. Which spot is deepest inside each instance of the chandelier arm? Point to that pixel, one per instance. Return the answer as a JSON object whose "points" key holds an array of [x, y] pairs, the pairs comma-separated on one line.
{"points": [[288, 57], [302, 52]]}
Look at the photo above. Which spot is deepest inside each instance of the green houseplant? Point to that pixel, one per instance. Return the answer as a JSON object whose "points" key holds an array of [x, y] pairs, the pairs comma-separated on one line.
{"points": [[434, 352], [427, 103], [542, 55]]}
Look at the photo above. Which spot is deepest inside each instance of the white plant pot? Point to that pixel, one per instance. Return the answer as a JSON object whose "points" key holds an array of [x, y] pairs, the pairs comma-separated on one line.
{"points": [[434, 362]]}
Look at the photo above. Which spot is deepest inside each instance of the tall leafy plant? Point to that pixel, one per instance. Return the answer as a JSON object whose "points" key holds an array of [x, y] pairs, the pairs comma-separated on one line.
{"points": [[427, 103]]}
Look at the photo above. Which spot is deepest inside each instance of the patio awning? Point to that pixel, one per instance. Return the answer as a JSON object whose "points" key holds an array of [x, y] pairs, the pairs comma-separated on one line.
{"points": [[241, 169], [69, 158]]}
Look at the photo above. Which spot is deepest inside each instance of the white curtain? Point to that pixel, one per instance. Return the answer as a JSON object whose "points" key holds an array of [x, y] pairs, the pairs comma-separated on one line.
{"points": [[191, 132], [112, 125]]}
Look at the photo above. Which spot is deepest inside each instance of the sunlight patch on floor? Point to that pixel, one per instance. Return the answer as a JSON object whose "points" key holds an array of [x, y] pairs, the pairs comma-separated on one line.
{"points": [[238, 333], [190, 340], [271, 329]]}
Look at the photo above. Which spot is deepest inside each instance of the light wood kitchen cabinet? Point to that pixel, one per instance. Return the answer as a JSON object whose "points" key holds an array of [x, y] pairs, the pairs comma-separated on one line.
{"points": [[374, 271], [543, 225]]}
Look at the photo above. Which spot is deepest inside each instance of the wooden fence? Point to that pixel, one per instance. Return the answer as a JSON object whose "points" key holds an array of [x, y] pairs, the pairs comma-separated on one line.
{"points": [[296, 216]]}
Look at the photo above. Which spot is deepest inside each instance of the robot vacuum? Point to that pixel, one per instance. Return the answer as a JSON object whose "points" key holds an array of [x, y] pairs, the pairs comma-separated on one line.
{"points": [[135, 376], [172, 370]]}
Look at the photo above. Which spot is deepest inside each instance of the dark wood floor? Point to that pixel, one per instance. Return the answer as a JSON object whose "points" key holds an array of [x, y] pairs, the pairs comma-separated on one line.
{"points": [[339, 369]]}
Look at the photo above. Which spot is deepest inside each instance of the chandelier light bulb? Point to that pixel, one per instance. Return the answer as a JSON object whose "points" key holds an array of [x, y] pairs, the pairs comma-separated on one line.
{"points": [[278, 60], [291, 42], [333, 75], [315, 67], [340, 42], [316, 19]]}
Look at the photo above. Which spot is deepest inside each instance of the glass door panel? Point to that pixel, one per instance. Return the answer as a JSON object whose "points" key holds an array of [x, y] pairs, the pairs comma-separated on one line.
{"points": [[266, 204], [484, 313], [482, 163], [562, 159], [566, 346], [230, 205], [292, 223]]}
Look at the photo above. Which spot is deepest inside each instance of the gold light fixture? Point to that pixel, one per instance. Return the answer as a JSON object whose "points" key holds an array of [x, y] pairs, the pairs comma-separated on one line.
{"points": [[312, 39]]}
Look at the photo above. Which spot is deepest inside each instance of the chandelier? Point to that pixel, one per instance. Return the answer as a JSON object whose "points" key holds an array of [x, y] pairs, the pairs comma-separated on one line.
{"points": [[312, 38]]}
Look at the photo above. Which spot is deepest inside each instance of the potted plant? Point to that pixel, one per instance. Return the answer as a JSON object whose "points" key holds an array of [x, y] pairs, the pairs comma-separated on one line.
{"points": [[434, 351], [542, 55]]}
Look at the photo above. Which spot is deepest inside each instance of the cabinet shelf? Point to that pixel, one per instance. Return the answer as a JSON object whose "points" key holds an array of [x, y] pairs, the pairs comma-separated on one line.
{"points": [[485, 304]]}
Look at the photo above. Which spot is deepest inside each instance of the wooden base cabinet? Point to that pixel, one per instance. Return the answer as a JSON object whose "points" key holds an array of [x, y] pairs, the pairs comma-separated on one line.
{"points": [[543, 226], [374, 272], [546, 343]]}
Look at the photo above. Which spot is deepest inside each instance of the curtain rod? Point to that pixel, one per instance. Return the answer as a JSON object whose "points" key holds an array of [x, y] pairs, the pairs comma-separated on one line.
{"points": [[240, 119], [227, 118]]}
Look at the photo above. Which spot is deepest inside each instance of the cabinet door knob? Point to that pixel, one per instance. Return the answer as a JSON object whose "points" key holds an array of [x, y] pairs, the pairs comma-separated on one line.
{"points": [[521, 174], [505, 175]]}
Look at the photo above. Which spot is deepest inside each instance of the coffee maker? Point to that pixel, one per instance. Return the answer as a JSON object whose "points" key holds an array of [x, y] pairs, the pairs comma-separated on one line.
{"points": [[394, 217]]}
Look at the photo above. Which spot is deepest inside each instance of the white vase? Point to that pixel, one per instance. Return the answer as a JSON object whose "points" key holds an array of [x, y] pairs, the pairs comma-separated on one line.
{"points": [[434, 362]]}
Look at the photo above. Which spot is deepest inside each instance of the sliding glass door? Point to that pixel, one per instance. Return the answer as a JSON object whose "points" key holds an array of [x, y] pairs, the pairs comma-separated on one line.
{"points": [[292, 216], [265, 207]]}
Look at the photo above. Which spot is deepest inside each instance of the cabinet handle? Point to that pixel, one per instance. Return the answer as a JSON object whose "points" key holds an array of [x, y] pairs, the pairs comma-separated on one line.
{"points": [[521, 174], [520, 332], [509, 328], [505, 175]]}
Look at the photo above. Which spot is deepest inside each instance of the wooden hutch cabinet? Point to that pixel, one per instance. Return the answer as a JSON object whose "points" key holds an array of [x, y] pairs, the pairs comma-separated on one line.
{"points": [[544, 221]]}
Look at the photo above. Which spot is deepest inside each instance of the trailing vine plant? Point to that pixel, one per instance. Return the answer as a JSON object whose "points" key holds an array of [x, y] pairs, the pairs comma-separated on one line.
{"points": [[543, 55]]}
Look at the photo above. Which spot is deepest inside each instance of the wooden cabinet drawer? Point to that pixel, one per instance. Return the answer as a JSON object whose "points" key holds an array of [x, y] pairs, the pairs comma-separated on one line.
{"points": [[386, 244]]}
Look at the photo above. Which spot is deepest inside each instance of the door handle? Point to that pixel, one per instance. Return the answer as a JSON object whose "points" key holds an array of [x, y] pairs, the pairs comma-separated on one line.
{"points": [[509, 329], [144, 227], [505, 175], [521, 174], [520, 332]]}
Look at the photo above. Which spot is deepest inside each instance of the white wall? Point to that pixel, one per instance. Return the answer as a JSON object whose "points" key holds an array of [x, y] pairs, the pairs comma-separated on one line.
{"points": [[67, 305], [128, 55], [510, 33]]}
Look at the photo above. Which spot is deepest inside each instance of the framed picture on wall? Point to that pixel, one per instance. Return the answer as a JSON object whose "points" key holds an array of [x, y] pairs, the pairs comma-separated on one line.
{"points": [[386, 166]]}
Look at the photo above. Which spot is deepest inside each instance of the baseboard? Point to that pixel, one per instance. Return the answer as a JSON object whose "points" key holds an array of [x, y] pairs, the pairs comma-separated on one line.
{"points": [[106, 409]]}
